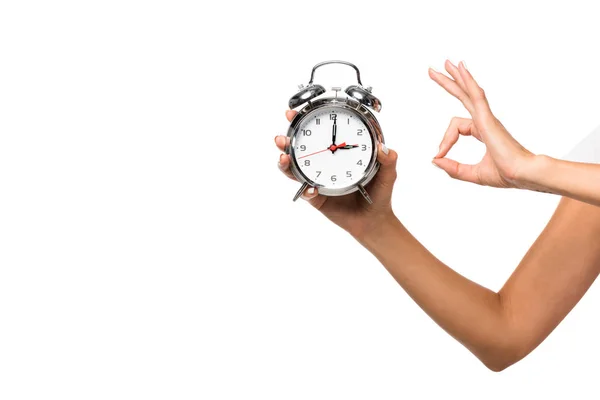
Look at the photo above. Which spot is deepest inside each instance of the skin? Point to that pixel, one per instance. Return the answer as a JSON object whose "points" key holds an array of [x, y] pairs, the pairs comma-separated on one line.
{"points": [[506, 164], [500, 328]]}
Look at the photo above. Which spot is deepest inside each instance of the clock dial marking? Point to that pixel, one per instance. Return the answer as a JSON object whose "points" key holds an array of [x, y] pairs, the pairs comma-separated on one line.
{"points": [[330, 154]]}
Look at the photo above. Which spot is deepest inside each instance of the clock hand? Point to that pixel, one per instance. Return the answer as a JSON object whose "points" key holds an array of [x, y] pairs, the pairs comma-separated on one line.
{"points": [[348, 146], [331, 148], [316, 152], [333, 133]]}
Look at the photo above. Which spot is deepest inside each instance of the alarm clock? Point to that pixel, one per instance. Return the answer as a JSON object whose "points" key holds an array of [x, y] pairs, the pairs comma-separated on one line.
{"points": [[334, 139]]}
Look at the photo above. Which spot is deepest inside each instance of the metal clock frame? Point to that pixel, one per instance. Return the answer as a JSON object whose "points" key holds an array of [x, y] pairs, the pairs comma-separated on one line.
{"points": [[375, 134]]}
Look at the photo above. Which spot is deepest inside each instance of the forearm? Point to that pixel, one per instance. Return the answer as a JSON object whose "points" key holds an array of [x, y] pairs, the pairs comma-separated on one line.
{"points": [[469, 312], [579, 181]]}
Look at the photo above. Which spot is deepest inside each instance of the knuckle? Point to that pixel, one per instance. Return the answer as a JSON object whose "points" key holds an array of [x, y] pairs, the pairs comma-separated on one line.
{"points": [[451, 137], [478, 176], [455, 171]]}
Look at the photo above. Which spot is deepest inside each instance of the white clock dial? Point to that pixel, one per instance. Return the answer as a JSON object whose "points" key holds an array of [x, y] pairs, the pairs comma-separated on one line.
{"points": [[333, 147]]}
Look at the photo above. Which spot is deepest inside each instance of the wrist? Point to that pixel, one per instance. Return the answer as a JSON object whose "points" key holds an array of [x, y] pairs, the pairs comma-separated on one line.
{"points": [[383, 227], [535, 173]]}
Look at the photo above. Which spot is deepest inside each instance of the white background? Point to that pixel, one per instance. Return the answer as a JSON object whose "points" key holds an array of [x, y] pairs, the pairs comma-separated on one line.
{"points": [[149, 247]]}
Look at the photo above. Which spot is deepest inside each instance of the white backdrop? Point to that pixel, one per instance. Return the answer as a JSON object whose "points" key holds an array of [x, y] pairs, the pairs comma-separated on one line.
{"points": [[149, 247]]}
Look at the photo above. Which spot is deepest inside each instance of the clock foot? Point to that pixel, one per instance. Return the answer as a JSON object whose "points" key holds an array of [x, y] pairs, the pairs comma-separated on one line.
{"points": [[364, 193], [302, 188]]}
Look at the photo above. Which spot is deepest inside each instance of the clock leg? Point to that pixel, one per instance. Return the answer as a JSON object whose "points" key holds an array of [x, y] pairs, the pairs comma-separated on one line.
{"points": [[364, 193], [304, 186]]}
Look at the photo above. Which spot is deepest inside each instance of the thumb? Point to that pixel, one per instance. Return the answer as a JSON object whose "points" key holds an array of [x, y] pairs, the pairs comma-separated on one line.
{"points": [[387, 170], [456, 170]]}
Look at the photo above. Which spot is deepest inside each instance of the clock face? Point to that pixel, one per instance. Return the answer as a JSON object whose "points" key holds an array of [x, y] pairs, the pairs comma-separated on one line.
{"points": [[333, 147]]}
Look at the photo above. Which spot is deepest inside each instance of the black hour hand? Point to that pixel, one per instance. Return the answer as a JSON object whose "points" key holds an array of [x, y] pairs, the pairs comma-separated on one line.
{"points": [[348, 146]]}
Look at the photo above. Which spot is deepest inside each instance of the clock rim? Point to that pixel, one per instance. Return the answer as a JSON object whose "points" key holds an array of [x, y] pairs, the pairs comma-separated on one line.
{"points": [[364, 115]]}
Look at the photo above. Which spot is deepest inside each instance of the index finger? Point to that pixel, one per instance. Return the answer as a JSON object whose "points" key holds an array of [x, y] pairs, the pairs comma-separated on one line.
{"points": [[290, 114]]}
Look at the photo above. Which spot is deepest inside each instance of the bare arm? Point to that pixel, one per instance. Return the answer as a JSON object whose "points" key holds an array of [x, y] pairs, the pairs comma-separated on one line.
{"points": [[550, 280], [579, 181]]}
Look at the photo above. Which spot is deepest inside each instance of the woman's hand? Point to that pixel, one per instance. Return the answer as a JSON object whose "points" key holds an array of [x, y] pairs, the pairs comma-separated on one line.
{"points": [[352, 212], [505, 161]]}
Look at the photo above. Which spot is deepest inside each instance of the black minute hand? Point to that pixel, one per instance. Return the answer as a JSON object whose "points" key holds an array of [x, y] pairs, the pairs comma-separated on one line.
{"points": [[334, 133]]}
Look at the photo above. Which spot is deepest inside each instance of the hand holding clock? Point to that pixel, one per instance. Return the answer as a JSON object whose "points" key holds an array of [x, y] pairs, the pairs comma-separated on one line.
{"points": [[351, 212]]}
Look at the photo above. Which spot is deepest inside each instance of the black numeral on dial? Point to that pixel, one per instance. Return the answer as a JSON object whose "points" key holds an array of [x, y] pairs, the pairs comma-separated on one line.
{"points": [[359, 132], [307, 163], [306, 132]]}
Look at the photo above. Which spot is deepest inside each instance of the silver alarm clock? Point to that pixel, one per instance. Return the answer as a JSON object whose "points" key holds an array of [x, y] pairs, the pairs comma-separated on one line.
{"points": [[333, 140]]}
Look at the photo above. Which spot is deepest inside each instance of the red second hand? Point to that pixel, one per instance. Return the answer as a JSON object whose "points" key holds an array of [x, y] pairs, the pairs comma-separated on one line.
{"points": [[316, 152]]}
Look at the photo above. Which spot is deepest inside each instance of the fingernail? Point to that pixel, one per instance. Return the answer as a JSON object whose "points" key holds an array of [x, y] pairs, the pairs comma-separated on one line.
{"points": [[384, 149], [464, 65], [433, 69], [311, 191], [437, 166]]}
